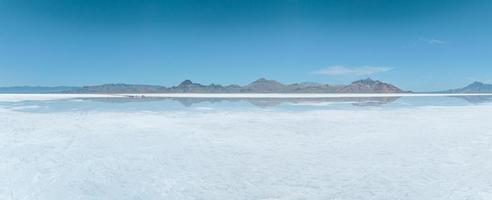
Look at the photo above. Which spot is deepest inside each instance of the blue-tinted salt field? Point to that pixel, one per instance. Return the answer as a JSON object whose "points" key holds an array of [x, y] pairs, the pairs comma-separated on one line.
{"points": [[252, 148]]}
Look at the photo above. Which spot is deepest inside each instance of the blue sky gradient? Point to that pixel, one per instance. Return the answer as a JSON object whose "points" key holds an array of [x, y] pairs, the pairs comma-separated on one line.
{"points": [[417, 45]]}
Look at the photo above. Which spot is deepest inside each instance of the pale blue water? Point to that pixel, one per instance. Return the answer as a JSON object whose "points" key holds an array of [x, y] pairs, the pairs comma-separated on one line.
{"points": [[205, 104]]}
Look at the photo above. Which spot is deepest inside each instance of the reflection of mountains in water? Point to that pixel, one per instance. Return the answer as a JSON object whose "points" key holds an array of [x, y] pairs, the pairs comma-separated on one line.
{"points": [[259, 102], [476, 99]]}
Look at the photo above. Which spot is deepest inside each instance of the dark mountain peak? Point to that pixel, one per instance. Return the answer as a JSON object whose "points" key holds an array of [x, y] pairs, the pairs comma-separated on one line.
{"points": [[370, 86], [263, 85], [188, 86], [263, 80], [476, 84], [366, 81], [185, 83], [475, 87]]}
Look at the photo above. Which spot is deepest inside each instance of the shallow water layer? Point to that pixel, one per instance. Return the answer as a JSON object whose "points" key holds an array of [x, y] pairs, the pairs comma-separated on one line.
{"points": [[107, 148], [156, 104]]}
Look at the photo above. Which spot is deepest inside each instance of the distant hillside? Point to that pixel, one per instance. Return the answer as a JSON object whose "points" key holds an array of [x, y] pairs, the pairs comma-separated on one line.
{"points": [[475, 87], [117, 88], [189, 87], [369, 86], [261, 85], [35, 89]]}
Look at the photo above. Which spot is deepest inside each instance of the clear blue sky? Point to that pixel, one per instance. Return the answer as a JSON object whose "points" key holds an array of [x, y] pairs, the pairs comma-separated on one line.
{"points": [[417, 45]]}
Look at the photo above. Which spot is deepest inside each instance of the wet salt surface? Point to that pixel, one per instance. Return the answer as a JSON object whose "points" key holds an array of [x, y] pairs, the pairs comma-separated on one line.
{"points": [[156, 104], [405, 148]]}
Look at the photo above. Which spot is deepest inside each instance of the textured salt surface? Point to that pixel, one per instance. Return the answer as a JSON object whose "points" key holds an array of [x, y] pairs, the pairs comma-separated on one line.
{"points": [[419, 153]]}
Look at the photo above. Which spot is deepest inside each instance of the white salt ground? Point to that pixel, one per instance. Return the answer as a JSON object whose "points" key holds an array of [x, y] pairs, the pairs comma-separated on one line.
{"points": [[414, 153]]}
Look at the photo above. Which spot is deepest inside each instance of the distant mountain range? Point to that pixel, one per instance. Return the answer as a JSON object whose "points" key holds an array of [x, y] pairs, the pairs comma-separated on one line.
{"points": [[35, 89], [475, 87], [261, 85]]}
